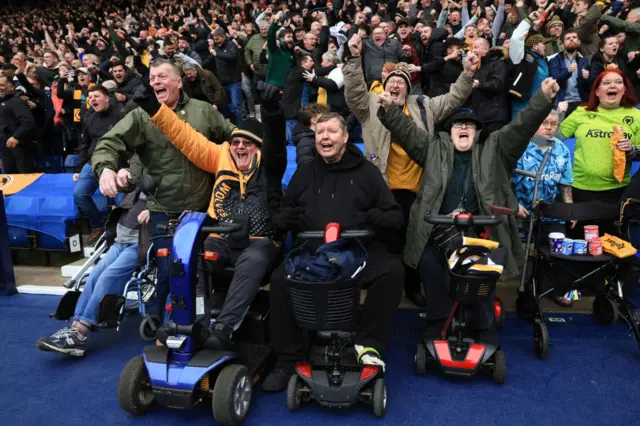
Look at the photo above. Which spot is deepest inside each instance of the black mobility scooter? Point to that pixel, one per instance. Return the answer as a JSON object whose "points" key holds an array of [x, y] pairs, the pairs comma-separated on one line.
{"points": [[333, 376], [474, 269]]}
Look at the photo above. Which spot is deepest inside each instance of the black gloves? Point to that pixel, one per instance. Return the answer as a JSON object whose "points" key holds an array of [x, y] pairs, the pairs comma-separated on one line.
{"points": [[381, 220], [289, 218], [270, 95], [147, 101]]}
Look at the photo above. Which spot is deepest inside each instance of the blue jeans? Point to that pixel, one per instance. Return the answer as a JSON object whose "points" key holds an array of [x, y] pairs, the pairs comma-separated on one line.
{"points": [[109, 276], [83, 191], [306, 95], [290, 125], [234, 106]]}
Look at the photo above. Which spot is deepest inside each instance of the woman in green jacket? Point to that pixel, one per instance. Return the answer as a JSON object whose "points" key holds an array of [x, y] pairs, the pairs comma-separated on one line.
{"points": [[612, 103]]}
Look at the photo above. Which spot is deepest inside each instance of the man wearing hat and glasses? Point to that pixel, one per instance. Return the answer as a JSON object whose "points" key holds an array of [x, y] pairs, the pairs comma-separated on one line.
{"points": [[247, 190], [463, 171]]}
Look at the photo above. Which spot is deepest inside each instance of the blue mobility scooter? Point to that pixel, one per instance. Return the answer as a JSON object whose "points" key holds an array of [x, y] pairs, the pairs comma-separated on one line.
{"points": [[456, 353], [332, 376], [184, 371]]}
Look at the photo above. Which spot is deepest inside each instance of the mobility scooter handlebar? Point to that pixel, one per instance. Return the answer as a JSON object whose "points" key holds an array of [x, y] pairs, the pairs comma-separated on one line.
{"points": [[463, 220], [312, 235], [221, 228]]}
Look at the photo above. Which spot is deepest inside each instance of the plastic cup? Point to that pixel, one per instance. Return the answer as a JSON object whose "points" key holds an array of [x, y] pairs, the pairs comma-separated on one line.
{"points": [[579, 247], [591, 232], [555, 242], [567, 247]]}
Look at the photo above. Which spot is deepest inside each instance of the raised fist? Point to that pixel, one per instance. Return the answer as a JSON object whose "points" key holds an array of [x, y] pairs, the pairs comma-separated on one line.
{"points": [[355, 45], [550, 88]]}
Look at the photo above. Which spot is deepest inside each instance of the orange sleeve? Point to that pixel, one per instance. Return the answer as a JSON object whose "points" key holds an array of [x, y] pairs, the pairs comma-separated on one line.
{"points": [[197, 148]]}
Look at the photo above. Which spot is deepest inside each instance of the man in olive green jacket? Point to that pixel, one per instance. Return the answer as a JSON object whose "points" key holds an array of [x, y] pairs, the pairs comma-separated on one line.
{"points": [[490, 161], [180, 184]]}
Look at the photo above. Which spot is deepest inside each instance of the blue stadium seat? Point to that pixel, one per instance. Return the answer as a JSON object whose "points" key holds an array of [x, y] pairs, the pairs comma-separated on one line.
{"points": [[70, 163], [51, 164]]}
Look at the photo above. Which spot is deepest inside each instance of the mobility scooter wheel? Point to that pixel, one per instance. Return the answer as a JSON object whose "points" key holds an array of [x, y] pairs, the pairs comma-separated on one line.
{"points": [[134, 389], [293, 393], [540, 339], [149, 328], [605, 310], [420, 359], [526, 306], [232, 395], [499, 367], [379, 397], [499, 311]]}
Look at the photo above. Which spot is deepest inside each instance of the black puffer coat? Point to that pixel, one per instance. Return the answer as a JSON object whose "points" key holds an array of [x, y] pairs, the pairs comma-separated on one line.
{"points": [[490, 100]]}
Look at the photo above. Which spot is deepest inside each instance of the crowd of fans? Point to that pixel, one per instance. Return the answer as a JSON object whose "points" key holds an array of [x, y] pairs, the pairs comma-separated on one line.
{"points": [[74, 75]]}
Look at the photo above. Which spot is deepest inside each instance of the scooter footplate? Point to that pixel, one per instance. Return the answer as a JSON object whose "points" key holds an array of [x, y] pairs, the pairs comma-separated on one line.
{"points": [[172, 398], [67, 305], [109, 310]]}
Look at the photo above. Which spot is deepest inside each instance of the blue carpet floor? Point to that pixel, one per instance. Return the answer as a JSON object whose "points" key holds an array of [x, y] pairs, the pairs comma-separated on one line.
{"points": [[590, 377]]}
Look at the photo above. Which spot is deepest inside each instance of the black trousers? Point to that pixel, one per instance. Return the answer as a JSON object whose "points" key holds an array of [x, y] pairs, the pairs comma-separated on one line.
{"points": [[250, 264], [398, 239], [382, 277], [18, 159]]}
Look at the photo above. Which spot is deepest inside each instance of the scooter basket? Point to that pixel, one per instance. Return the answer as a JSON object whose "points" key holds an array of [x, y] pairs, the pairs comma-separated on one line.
{"points": [[467, 288], [325, 306]]}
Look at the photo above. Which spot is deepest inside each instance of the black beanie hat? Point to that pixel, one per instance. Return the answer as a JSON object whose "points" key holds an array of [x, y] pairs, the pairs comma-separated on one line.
{"points": [[250, 129]]}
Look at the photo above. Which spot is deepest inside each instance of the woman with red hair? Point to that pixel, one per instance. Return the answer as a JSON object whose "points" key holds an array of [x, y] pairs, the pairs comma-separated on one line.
{"points": [[611, 103]]}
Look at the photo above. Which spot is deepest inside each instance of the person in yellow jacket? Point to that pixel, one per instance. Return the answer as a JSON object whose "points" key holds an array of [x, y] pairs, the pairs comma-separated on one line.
{"points": [[247, 190]]}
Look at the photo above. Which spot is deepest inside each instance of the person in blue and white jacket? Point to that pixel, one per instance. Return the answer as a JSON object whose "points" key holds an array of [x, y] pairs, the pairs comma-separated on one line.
{"points": [[557, 178]]}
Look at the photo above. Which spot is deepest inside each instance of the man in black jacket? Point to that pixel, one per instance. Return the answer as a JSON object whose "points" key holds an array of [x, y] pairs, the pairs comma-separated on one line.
{"points": [[490, 97], [339, 185], [17, 127], [96, 123], [227, 71], [293, 86], [129, 86], [304, 135]]}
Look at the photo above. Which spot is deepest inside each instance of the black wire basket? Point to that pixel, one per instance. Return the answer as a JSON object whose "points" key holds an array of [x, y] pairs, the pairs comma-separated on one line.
{"points": [[326, 306]]}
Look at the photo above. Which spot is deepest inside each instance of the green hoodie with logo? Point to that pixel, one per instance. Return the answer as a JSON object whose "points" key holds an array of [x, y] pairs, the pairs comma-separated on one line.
{"points": [[593, 158]]}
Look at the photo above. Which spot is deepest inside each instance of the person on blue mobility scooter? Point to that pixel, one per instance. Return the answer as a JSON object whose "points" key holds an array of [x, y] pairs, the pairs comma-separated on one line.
{"points": [[464, 171], [340, 186], [247, 190], [194, 361]]}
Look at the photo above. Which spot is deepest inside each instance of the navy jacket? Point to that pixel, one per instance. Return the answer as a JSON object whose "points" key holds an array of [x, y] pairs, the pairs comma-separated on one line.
{"points": [[558, 70]]}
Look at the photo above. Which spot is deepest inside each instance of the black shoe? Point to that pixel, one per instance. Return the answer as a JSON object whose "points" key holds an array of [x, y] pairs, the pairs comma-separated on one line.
{"points": [[66, 341], [219, 337], [278, 379]]}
